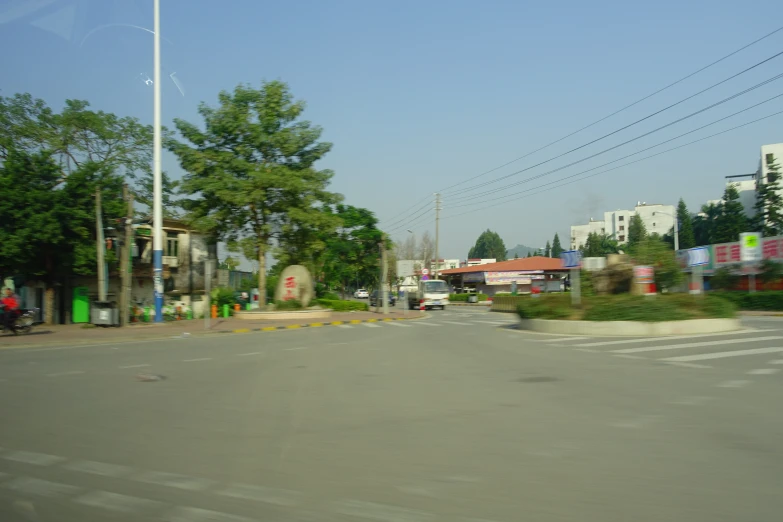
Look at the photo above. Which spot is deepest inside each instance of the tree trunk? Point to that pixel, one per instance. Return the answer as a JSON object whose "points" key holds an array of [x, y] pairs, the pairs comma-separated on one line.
{"points": [[262, 278], [49, 305]]}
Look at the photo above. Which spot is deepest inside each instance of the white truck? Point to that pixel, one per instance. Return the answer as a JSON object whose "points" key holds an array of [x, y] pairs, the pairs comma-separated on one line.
{"points": [[429, 294]]}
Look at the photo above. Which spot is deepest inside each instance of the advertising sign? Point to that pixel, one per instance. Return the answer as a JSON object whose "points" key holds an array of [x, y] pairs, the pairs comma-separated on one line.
{"points": [[750, 247], [473, 277], [644, 275], [506, 278]]}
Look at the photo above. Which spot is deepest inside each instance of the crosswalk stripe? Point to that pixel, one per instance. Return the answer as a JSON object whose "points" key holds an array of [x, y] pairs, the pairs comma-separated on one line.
{"points": [[559, 339], [722, 355], [344, 326], [455, 323], [495, 323], [399, 324], [371, 325], [427, 324], [669, 338], [696, 345]]}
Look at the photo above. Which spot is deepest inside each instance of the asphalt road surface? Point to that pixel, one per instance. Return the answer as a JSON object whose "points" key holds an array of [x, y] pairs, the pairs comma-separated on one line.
{"points": [[454, 418]]}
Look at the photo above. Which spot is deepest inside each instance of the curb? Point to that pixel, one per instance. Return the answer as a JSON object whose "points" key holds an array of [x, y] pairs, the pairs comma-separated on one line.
{"points": [[313, 325], [629, 328]]}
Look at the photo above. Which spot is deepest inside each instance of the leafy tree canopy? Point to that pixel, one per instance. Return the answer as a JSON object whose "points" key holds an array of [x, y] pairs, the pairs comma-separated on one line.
{"points": [[489, 245]]}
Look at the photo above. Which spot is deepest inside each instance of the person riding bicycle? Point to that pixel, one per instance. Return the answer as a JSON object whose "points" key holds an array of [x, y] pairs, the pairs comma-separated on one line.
{"points": [[10, 304]]}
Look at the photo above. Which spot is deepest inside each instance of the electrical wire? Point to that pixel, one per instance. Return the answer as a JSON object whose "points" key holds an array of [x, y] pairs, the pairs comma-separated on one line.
{"points": [[526, 180], [618, 111], [468, 189], [634, 153], [557, 182]]}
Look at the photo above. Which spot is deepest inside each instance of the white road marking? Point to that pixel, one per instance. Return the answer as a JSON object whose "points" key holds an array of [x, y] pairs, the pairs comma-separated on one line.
{"points": [[764, 371], [722, 355], [119, 503], [175, 481], [371, 325], [562, 339], [296, 348], [426, 324], [278, 497], [689, 365], [29, 457], [75, 372], [589, 350], [197, 360], [733, 384], [344, 326], [383, 512], [668, 338], [455, 323], [776, 361], [191, 514], [696, 345], [98, 468], [394, 323], [626, 356], [493, 323], [42, 488], [249, 353], [134, 366]]}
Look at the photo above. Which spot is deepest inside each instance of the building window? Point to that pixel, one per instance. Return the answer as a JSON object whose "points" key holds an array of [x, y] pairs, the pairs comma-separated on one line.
{"points": [[172, 244], [622, 227], [622, 218], [622, 238], [770, 159], [653, 224], [603, 230]]}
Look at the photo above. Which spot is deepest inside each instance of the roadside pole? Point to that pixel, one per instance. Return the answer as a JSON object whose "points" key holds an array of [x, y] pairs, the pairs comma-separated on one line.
{"points": [[207, 292], [576, 287], [101, 246], [125, 260], [384, 293]]}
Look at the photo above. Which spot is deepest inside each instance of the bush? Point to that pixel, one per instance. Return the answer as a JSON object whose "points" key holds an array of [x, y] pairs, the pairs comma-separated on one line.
{"points": [[625, 307], [293, 304], [771, 300], [507, 303], [457, 298], [343, 306], [545, 307], [223, 296]]}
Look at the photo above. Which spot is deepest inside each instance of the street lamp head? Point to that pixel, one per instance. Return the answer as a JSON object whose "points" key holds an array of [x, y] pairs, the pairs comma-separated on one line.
{"points": [[411, 231]]}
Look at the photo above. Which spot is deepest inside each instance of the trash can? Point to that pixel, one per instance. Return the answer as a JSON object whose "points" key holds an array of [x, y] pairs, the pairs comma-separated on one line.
{"points": [[104, 313], [473, 298]]}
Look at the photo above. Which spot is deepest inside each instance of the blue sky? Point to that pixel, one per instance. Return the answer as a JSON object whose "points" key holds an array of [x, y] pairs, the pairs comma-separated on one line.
{"points": [[418, 96]]}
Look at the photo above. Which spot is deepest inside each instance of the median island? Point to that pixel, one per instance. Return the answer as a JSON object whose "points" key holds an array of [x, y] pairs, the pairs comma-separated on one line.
{"points": [[627, 315]]}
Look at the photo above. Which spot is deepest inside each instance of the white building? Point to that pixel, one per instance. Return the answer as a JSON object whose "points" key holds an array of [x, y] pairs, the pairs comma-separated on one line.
{"points": [[657, 219]]}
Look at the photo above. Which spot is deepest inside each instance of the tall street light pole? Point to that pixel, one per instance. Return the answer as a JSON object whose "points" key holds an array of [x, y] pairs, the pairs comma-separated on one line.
{"points": [[157, 205]]}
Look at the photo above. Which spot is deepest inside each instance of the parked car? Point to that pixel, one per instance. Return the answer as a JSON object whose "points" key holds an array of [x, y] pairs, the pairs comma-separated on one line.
{"points": [[361, 294], [374, 299]]}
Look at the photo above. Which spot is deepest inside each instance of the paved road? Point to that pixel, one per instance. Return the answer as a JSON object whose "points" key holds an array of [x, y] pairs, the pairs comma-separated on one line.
{"points": [[452, 418]]}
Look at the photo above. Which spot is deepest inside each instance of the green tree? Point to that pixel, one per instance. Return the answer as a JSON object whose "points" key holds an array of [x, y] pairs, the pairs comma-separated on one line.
{"points": [[725, 278], [557, 249], [637, 232], [686, 238], [516, 255], [599, 245], [229, 263], [250, 173], [705, 224], [489, 245], [731, 221], [547, 250], [655, 252], [769, 203]]}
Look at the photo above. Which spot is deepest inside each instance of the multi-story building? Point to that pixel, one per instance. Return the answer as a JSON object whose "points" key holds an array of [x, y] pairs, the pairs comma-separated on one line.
{"points": [[657, 219]]}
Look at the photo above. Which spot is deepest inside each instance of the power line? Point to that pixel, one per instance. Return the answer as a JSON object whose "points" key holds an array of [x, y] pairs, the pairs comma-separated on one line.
{"points": [[559, 184], [397, 221], [412, 220], [632, 154], [624, 127], [736, 95], [617, 111]]}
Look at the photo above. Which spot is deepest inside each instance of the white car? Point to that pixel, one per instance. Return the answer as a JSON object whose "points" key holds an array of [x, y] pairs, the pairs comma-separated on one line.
{"points": [[361, 294]]}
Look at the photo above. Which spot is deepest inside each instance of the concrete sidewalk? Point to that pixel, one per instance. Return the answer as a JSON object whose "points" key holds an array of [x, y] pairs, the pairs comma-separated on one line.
{"points": [[78, 334]]}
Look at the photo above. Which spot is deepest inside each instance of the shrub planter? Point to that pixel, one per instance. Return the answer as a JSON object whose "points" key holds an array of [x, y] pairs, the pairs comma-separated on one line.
{"points": [[263, 315], [630, 328]]}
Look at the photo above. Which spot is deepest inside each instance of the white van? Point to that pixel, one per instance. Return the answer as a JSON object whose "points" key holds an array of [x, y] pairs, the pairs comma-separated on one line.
{"points": [[429, 294]]}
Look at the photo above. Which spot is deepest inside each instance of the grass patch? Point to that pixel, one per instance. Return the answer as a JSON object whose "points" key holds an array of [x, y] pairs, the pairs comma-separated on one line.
{"points": [[624, 307], [292, 304], [768, 300], [463, 298], [343, 306]]}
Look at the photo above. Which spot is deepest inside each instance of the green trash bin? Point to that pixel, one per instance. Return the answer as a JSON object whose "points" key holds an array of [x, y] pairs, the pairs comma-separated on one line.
{"points": [[81, 305]]}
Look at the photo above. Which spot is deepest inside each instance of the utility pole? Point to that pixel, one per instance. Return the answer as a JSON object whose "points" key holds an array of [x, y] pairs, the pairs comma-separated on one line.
{"points": [[437, 235], [384, 293], [157, 183], [125, 260], [100, 246]]}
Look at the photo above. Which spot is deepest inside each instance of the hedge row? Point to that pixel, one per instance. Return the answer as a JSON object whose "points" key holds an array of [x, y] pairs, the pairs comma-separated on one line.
{"points": [[666, 307], [343, 306], [507, 303], [770, 300], [457, 298]]}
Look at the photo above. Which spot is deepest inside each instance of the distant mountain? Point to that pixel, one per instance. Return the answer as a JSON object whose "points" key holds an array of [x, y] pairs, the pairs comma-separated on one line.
{"points": [[519, 251]]}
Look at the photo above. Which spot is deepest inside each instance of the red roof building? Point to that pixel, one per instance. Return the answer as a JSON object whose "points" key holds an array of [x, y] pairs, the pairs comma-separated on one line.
{"points": [[543, 273]]}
